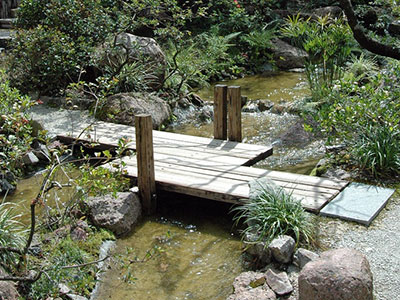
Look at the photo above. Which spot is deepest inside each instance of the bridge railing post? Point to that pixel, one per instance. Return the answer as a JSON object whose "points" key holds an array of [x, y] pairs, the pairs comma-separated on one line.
{"points": [[234, 114], [220, 112], [145, 163]]}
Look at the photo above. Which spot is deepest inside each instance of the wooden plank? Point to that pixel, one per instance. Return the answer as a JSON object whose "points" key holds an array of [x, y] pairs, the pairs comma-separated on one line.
{"points": [[220, 112], [234, 176], [145, 163], [219, 189], [234, 114]]}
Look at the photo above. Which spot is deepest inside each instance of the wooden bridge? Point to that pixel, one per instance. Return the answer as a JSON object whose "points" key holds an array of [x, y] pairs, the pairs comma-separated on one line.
{"points": [[208, 168]]}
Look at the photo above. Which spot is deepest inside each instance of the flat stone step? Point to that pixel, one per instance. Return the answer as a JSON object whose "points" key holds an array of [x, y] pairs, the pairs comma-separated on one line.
{"points": [[358, 202], [14, 12]]}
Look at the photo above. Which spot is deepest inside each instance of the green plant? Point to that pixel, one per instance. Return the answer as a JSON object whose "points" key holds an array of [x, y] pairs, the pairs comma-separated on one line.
{"points": [[273, 212], [12, 233], [15, 129], [328, 43], [377, 150]]}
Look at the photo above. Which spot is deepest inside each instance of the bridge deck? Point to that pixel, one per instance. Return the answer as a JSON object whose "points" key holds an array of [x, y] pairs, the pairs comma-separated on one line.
{"points": [[210, 168]]}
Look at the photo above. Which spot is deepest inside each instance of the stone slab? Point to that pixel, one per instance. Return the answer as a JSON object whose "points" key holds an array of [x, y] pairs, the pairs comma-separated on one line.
{"points": [[358, 202]]}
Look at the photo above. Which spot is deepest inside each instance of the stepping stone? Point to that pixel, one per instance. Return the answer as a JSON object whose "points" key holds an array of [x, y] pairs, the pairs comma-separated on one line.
{"points": [[358, 202]]}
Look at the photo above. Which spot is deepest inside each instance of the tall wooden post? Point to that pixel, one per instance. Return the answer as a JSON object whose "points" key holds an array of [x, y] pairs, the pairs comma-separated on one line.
{"points": [[145, 162], [220, 112], [234, 114]]}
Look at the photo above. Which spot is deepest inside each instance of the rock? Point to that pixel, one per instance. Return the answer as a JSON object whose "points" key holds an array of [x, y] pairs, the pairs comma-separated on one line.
{"points": [[76, 297], [116, 214], [282, 248], [332, 11], [7, 180], [122, 108], [63, 289], [342, 274], [337, 173], [296, 135], [259, 250], [42, 153], [8, 290], [139, 49], [259, 293], [302, 256], [264, 105], [195, 100], [30, 159], [251, 285], [79, 234], [279, 282], [394, 28], [250, 107], [287, 56]]}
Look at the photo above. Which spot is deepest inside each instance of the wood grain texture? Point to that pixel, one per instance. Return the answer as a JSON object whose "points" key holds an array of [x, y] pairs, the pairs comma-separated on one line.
{"points": [[220, 112], [234, 114]]}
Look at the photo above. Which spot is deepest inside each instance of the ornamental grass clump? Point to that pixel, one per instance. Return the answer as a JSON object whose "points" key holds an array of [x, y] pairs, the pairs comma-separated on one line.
{"points": [[271, 212]]}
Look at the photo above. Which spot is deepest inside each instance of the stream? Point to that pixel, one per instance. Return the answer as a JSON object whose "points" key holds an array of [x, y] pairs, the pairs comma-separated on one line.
{"points": [[194, 254]]}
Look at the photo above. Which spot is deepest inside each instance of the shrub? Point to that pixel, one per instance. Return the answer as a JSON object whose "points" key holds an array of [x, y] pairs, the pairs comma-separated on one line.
{"points": [[45, 59], [273, 212], [15, 130]]}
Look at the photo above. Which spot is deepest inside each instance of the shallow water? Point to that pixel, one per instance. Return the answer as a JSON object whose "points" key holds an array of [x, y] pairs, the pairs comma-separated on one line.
{"points": [[200, 257], [277, 87]]}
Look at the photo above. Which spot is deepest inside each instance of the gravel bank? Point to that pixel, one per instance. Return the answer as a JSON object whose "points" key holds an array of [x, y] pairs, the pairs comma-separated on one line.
{"points": [[380, 243]]}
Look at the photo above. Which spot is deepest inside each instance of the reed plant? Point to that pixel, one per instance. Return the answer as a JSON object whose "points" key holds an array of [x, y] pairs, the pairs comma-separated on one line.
{"points": [[273, 212]]}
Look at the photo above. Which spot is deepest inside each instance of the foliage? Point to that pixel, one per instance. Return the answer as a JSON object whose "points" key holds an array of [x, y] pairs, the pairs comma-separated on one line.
{"points": [[11, 233], [328, 43], [45, 59], [274, 212], [15, 129], [377, 150], [363, 112]]}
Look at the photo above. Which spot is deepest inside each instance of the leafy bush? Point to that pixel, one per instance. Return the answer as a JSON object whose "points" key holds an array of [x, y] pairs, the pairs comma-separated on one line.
{"points": [[15, 129], [45, 59], [363, 112], [274, 212]]}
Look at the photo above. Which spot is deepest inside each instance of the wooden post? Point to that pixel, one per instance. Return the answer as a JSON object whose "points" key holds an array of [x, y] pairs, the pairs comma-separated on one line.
{"points": [[220, 112], [234, 114], [145, 163]]}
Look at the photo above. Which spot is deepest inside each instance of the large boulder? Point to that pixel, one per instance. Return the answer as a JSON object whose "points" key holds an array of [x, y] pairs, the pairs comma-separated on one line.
{"points": [[117, 214], [122, 108], [342, 274], [133, 49], [287, 56]]}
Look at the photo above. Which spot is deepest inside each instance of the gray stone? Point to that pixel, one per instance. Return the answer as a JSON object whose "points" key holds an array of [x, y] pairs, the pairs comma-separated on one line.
{"points": [[76, 297], [137, 49], [332, 11], [342, 274], [251, 107], [251, 285], [258, 250], [30, 159], [63, 289], [8, 290], [282, 248], [264, 105], [122, 108], [302, 256], [116, 214], [287, 56], [259, 293], [7, 181], [279, 282], [358, 202], [42, 153]]}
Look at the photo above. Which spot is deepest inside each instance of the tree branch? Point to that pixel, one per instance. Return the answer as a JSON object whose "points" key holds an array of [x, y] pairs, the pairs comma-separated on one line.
{"points": [[365, 41]]}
